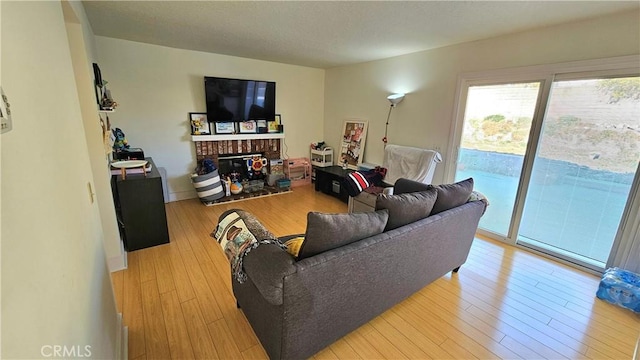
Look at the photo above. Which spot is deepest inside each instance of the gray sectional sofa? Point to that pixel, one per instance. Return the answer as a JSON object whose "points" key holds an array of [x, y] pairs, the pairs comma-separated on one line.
{"points": [[297, 307]]}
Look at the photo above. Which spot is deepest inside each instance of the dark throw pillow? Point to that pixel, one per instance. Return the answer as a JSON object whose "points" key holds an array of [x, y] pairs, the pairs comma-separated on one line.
{"points": [[406, 208], [403, 186], [330, 231], [452, 195]]}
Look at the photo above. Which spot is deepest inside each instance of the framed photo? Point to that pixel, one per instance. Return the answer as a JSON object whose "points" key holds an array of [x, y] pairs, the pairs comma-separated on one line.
{"points": [[199, 123], [261, 126], [247, 127], [224, 127], [272, 127], [278, 119], [354, 134]]}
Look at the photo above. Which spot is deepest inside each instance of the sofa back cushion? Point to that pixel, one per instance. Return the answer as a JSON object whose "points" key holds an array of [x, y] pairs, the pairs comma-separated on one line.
{"points": [[330, 231], [406, 208], [452, 195]]}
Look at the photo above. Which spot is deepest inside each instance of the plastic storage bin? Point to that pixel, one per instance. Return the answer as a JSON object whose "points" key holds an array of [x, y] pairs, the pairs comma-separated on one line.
{"points": [[620, 287], [283, 183]]}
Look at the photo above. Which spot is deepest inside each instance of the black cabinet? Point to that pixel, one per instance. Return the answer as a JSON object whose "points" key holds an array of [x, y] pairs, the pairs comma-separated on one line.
{"points": [[139, 202], [330, 180]]}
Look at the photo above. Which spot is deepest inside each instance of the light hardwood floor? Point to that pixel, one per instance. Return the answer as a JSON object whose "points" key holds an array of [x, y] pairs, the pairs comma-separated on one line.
{"points": [[176, 300]]}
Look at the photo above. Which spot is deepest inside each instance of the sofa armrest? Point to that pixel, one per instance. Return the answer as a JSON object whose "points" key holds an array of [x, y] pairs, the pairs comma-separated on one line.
{"points": [[267, 266]]}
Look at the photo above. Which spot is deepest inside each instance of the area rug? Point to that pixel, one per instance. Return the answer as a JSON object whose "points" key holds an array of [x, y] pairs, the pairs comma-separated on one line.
{"points": [[266, 191]]}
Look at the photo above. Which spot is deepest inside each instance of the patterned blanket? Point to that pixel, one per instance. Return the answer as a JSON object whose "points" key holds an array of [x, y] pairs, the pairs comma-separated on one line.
{"points": [[238, 232]]}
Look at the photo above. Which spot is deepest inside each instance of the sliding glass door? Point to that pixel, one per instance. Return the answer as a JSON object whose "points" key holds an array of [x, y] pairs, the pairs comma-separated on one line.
{"points": [[588, 152], [495, 134], [556, 158]]}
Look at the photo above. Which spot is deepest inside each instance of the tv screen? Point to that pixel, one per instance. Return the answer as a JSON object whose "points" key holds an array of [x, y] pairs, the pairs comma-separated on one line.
{"points": [[239, 100]]}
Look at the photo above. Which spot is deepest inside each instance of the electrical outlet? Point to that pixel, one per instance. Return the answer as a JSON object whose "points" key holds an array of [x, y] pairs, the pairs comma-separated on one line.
{"points": [[5, 113]]}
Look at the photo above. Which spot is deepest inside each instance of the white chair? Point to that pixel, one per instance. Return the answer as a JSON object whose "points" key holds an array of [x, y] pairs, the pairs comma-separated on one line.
{"points": [[401, 162]]}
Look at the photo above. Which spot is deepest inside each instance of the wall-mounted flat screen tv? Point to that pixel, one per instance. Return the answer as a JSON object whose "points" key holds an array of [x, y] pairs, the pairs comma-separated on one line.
{"points": [[239, 100]]}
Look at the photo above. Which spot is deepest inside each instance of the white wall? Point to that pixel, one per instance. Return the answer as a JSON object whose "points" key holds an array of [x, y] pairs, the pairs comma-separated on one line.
{"points": [[82, 48], [56, 288], [158, 86], [424, 118]]}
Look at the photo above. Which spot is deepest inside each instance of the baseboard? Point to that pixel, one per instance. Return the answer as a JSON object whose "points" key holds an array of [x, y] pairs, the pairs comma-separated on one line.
{"points": [[116, 263], [122, 340], [183, 195], [125, 343]]}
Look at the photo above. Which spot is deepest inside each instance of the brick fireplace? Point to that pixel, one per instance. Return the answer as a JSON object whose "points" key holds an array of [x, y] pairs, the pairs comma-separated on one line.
{"points": [[212, 149]]}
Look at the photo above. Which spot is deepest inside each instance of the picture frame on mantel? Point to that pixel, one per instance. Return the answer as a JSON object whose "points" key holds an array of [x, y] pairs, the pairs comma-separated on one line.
{"points": [[261, 126], [272, 126], [247, 127], [275, 125], [224, 127], [354, 135], [199, 124]]}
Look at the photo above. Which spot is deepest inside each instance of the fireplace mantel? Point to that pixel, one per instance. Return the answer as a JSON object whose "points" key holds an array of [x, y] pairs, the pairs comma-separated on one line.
{"points": [[226, 137], [210, 146]]}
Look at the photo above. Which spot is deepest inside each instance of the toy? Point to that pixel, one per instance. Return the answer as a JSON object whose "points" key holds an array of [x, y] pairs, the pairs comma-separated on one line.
{"points": [[206, 166], [236, 187], [120, 142], [256, 165], [227, 187]]}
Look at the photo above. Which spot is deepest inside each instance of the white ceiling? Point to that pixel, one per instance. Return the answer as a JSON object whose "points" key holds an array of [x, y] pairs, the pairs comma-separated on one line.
{"points": [[325, 34]]}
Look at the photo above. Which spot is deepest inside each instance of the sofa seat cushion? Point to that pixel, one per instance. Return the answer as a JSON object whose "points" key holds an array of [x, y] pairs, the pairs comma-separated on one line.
{"points": [[330, 231], [452, 195], [406, 208]]}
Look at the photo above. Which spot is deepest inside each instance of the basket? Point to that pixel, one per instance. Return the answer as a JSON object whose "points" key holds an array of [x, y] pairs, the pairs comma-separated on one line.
{"points": [[208, 186]]}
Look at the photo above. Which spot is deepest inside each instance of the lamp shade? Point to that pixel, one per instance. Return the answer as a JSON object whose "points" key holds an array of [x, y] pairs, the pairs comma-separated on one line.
{"points": [[395, 98]]}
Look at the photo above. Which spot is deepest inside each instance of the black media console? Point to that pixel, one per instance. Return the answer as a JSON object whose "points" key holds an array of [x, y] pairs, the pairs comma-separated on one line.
{"points": [[330, 181]]}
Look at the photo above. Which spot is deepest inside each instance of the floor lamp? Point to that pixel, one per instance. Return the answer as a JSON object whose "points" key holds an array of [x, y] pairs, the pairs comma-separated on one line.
{"points": [[394, 99]]}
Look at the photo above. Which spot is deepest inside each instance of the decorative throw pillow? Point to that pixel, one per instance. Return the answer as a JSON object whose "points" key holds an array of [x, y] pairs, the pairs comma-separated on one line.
{"points": [[294, 244], [356, 182], [452, 195], [406, 208], [330, 231], [403, 186]]}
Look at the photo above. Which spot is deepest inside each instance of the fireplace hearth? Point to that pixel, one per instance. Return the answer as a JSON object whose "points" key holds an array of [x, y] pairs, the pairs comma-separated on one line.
{"points": [[231, 155], [236, 166]]}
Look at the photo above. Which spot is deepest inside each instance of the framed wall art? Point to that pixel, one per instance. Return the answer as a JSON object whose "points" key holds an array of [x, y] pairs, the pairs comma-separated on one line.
{"points": [[224, 127], [261, 126], [354, 135], [272, 127], [199, 123], [247, 127]]}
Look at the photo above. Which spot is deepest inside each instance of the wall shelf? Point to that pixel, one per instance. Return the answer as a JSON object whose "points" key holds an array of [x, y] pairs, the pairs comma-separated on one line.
{"points": [[237, 137]]}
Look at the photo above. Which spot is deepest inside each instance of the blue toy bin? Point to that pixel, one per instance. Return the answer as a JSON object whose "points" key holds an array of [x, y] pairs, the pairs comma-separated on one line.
{"points": [[620, 287]]}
